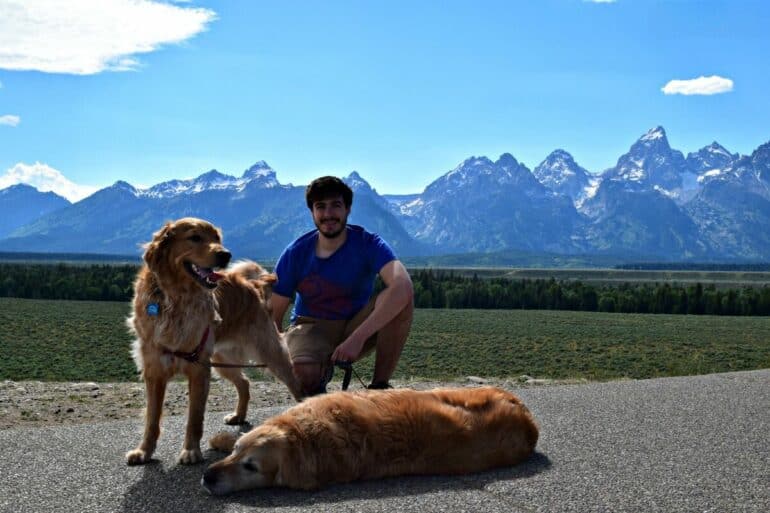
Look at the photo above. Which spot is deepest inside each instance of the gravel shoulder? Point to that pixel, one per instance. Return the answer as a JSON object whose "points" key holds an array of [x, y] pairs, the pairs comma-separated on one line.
{"points": [[37, 403]]}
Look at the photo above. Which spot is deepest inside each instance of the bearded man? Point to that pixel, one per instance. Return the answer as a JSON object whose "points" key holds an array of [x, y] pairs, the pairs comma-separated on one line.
{"points": [[330, 272]]}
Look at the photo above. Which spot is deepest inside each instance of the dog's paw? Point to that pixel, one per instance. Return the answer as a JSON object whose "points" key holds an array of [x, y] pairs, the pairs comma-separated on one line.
{"points": [[223, 441], [234, 419], [138, 457], [190, 457]]}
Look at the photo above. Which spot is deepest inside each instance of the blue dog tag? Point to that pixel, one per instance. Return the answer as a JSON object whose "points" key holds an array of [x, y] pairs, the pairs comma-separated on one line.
{"points": [[153, 309]]}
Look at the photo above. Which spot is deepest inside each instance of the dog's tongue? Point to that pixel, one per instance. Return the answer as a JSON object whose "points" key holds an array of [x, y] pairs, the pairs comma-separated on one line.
{"points": [[208, 274]]}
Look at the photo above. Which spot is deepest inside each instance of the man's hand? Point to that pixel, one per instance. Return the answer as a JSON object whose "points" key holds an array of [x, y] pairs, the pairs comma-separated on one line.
{"points": [[397, 294], [349, 350]]}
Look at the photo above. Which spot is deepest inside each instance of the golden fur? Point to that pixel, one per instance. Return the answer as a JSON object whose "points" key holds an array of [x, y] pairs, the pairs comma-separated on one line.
{"points": [[233, 304], [343, 437]]}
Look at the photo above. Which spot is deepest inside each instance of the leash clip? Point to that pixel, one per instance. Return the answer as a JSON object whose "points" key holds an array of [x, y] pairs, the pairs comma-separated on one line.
{"points": [[348, 368]]}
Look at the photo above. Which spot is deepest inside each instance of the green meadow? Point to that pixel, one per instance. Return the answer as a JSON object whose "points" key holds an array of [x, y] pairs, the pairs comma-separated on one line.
{"points": [[88, 341]]}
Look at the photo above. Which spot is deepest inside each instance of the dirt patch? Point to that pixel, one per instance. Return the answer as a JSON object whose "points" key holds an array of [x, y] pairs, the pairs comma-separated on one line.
{"points": [[36, 403]]}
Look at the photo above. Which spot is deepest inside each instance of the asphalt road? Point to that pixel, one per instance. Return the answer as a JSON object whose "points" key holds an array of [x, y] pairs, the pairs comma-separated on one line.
{"points": [[697, 444]]}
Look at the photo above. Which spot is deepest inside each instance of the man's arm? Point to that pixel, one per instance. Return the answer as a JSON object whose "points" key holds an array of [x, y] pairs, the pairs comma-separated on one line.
{"points": [[390, 302], [279, 304]]}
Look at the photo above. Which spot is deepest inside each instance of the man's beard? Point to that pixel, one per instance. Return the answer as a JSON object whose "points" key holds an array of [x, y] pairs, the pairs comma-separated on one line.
{"points": [[334, 234]]}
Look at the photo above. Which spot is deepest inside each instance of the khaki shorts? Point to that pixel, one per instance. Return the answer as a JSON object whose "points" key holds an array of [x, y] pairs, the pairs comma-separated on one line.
{"points": [[314, 340]]}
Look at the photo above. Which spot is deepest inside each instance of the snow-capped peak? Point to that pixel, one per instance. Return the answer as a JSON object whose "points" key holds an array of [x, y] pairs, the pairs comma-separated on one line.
{"points": [[717, 149], [469, 167], [654, 134], [259, 170], [475, 162], [260, 173], [710, 161], [560, 173], [652, 165], [356, 182], [125, 186], [213, 177], [558, 162]]}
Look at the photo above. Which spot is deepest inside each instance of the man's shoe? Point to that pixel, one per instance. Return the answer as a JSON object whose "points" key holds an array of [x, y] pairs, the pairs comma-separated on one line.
{"points": [[379, 385]]}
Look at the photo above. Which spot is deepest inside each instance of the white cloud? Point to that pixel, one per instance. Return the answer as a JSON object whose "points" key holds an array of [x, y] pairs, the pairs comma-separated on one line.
{"points": [[84, 37], [45, 178], [701, 85], [10, 120]]}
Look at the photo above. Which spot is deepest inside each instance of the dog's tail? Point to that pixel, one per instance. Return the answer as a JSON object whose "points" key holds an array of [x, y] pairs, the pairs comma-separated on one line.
{"points": [[248, 269], [223, 441], [252, 271]]}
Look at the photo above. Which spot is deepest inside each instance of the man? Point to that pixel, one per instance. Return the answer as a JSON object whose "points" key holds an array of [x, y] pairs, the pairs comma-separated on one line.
{"points": [[331, 270]]}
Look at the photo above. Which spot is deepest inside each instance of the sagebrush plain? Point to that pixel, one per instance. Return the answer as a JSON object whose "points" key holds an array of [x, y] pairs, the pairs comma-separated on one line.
{"points": [[88, 341]]}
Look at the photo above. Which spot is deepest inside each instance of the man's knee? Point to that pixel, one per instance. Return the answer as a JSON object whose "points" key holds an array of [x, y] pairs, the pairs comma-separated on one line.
{"points": [[404, 317], [408, 311], [309, 375]]}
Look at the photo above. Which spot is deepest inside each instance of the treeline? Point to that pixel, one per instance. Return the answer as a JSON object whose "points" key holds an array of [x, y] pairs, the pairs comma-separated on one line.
{"points": [[95, 258], [438, 289], [689, 266], [98, 282], [433, 289]]}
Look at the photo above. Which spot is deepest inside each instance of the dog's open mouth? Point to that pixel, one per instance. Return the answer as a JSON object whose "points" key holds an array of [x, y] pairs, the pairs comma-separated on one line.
{"points": [[206, 276]]}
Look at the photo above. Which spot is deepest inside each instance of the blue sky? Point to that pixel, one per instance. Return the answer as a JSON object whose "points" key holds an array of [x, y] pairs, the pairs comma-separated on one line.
{"points": [[402, 92]]}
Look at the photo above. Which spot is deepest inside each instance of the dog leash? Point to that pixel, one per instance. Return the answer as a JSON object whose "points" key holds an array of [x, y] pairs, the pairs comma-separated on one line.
{"points": [[349, 370], [153, 310], [194, 356], [234, 365]]}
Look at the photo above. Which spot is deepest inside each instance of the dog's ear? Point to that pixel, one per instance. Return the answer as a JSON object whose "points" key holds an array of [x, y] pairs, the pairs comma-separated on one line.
{"points": [[155, 249]]}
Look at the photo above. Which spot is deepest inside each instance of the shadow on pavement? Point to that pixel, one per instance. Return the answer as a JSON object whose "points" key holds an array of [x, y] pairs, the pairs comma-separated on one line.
{"points": [[174, 490], [178, 489]]}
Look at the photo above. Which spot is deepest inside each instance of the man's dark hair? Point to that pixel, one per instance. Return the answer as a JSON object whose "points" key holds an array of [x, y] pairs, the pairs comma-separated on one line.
{"points": [[328, 187]]}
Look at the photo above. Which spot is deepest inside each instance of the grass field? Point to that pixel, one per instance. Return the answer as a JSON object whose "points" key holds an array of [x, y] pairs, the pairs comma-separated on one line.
{"points": [[88, 341], [720, 279]]}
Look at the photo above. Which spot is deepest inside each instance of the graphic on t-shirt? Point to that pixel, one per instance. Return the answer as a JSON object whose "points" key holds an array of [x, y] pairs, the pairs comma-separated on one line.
{"points": [[323, 298]]}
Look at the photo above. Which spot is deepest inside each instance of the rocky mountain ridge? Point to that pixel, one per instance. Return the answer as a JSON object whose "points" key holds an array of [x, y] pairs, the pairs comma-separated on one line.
{"points": [[655, 203]]}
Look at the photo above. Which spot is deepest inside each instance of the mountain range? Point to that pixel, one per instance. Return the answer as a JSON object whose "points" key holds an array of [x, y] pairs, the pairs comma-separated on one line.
{"points": [[654, 204]]}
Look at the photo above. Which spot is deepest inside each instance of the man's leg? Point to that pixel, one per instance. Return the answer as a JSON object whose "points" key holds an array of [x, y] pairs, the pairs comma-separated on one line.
{"points": [[310, 343], [390, 342], [310, 375]]}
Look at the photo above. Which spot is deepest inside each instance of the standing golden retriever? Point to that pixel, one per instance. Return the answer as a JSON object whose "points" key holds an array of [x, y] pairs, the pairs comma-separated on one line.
{"points": [[343, 436], [186, 315]]}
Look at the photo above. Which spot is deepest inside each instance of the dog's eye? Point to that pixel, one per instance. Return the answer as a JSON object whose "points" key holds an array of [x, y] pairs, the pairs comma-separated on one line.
{"points": [[250, 467], [195, 238]]}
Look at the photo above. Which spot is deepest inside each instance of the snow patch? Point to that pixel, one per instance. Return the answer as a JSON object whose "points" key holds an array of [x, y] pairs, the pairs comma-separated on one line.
{"points": [[654, 134], [709, 174], [409, 207], [673, 194], [588, 192]]}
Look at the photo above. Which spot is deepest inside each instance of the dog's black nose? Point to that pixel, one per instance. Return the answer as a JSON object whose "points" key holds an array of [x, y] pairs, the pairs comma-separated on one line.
{"points": [[209, 478], [223, 258]]}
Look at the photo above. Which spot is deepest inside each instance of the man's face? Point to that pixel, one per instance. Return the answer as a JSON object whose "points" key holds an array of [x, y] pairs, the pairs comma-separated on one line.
{"points": [[330, 216]]}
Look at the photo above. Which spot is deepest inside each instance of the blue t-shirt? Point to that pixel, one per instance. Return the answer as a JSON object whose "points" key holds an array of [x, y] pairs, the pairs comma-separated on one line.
{"points": [[336, 287]]}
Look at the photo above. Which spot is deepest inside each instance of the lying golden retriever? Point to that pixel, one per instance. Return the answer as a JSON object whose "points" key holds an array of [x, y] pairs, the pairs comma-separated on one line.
{"points": [[343, 436], [186, 315]]}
